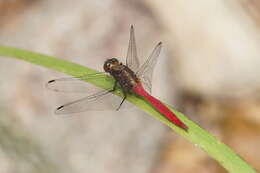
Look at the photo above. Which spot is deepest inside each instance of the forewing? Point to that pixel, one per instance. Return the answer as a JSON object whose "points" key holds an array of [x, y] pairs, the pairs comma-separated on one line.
{"points": [[103, 100], [131, 58], [145, 73], [76, 84]]}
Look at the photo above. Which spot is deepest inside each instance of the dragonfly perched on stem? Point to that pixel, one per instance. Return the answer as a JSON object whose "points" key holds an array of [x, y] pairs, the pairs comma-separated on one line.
{"points": [[131, 78]]}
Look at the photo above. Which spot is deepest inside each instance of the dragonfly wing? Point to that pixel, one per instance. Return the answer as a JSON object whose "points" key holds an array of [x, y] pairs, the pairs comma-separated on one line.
{"points": [[76, 84], [103, 100], [145, 73], [131, 58]]}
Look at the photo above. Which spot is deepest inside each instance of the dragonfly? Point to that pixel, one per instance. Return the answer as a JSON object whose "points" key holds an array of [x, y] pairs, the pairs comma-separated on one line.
{"points": [[131, 78]]}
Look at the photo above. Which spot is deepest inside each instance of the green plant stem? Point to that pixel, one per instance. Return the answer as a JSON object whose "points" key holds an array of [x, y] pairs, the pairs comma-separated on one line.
{"points": [[198, 136]]}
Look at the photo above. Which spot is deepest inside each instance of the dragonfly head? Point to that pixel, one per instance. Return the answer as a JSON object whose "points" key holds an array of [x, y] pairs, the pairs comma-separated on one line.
{"points": [[110, 64]]}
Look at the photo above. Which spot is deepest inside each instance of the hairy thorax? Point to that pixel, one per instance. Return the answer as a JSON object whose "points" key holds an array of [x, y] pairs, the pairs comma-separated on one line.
{"points": [[125, 77]]}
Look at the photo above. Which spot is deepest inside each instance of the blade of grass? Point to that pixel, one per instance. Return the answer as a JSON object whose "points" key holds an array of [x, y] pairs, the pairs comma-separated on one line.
{"points": [[198, 136]]}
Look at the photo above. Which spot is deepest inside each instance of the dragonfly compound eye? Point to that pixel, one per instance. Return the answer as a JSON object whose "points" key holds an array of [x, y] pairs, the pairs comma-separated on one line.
{"points": [[108, 65]]}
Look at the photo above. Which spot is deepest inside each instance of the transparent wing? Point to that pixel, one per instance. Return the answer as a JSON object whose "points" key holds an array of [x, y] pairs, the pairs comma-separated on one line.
{"points": [[103, 100], [131, 58], [145, 73], [76, 84]]}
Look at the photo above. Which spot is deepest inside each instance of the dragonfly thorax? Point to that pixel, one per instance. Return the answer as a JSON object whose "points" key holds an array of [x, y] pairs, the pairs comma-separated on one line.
{"points": [[121, 73]]}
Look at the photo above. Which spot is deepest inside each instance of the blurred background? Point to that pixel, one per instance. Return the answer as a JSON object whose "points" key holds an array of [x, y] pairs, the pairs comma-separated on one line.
{"points": [[208, 69]]}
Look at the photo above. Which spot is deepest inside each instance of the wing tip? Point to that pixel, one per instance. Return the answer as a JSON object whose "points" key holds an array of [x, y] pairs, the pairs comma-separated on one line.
{"points": [[59, 108], [132, 30], [57, 111], [50, 81]]}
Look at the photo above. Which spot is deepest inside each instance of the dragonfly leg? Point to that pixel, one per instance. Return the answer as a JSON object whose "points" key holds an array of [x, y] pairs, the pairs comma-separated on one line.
{"points": [[114, 87], [124, 92], [125, 95]]}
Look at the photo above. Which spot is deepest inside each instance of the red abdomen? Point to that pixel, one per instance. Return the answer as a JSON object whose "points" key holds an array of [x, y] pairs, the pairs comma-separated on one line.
{"points": [[138, 89]]}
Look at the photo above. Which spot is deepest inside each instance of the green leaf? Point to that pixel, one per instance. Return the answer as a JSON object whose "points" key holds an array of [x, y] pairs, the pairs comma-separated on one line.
{"points": [[198, 136]]}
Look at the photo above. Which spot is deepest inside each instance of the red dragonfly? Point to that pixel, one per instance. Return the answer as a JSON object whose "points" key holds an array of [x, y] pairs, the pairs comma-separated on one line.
{"points": [[130, 78]]}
